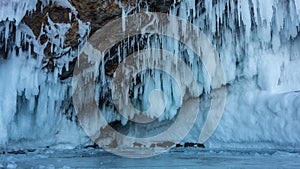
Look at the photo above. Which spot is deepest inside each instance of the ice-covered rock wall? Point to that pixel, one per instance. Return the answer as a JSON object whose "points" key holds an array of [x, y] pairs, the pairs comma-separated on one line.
{"points": [[36, 107], [257, 42]]}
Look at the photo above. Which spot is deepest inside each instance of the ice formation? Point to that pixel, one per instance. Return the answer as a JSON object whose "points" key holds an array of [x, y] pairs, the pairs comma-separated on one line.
{"points": [[14, 10], [26, 88], [257, 42]]}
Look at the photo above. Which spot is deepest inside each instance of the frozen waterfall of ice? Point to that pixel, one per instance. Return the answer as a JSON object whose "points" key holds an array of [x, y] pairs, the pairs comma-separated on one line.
{"points": [[258, 44]]}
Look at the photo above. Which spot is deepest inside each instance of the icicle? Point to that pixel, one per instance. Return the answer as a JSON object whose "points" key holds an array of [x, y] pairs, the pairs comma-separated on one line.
{"points": [[6, 34], [123, 19], [245, 12]]}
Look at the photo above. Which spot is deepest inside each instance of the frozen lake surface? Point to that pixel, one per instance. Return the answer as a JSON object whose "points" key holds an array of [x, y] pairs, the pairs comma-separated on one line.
{"points": [[176, 158]]}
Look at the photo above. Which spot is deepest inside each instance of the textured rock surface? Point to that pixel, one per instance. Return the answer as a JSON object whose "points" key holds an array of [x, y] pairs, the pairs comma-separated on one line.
{"points": [[99, 12], [94, 12]]}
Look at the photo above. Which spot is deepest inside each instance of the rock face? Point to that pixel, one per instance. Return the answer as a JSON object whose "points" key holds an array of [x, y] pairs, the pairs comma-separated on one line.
{"points": [[99, 12], [95, 13], [42, 19]]}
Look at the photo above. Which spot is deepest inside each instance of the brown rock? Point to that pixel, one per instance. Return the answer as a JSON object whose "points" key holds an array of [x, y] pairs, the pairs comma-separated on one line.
{"points": [[96, 12]]}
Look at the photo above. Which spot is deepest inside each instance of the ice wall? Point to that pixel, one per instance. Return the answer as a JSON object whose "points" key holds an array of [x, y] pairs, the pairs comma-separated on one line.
{"points": [[35, 106], [257, 42]]}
